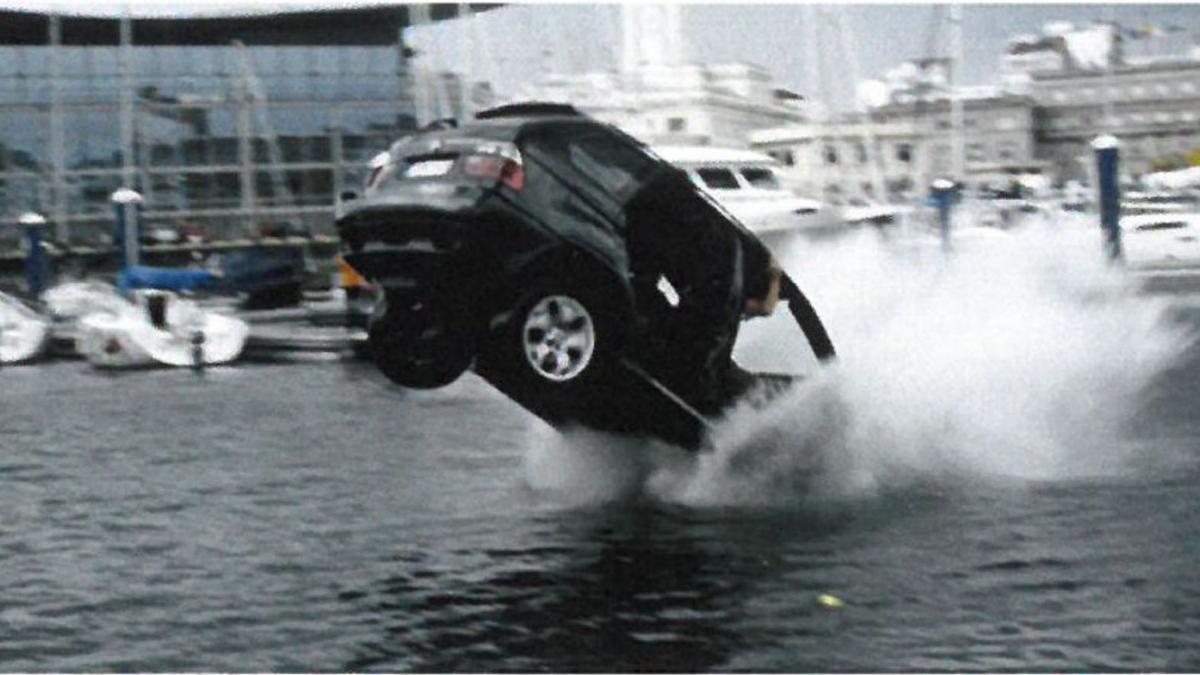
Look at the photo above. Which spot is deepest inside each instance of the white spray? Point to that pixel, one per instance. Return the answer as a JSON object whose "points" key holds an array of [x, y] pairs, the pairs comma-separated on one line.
{"points": [[1019, 357]]}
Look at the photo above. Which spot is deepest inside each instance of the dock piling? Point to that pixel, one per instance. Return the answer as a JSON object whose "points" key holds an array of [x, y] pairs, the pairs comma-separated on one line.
{"points": [[1107, 182], [125, 203], [36, 262], [942, 193]]}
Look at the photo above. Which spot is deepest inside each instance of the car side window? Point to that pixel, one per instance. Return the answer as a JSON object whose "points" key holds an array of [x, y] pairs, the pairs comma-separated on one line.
{"points": [[619, 169], [601, 161]]}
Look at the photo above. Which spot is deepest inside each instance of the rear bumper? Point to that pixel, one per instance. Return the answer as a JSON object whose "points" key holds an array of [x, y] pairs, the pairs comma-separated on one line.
{"points": [[399, 247]]}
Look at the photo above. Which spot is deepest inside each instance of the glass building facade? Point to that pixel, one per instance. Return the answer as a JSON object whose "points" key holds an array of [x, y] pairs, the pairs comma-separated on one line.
{"points": [[229, 128]]}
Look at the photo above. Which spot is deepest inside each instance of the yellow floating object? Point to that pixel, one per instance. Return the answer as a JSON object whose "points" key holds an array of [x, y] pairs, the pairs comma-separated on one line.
{"points": [[829, 601]]}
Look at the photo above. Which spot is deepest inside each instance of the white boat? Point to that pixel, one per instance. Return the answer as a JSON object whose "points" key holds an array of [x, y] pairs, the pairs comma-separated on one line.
{"points": [[158, 329], [1161, 240], [23, 333], [73, 300], [746, 183], [873, 214]]}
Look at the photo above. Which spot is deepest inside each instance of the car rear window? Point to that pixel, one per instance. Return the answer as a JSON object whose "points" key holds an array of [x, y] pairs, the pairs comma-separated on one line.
{"points": [[718, 179], [761, 178]]}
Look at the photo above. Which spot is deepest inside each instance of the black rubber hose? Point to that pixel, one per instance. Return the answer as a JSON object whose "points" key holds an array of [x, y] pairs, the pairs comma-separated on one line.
{"points": [[806, 317]]}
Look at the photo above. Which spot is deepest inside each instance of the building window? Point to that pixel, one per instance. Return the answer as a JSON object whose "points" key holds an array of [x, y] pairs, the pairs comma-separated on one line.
{"points": [[1060, 97], [1087, 93], [1187, 87], [1006, 123], [941, 157], [1187, 116], [904, 153], [1162, 89], [1138, 90], [831, 155], [976, 152], [788, 158], [676, 124], [860, 153]]}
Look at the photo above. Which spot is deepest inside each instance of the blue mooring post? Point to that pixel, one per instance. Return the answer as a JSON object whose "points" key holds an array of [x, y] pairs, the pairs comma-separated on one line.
{"points": [[942, 192], [1107, 164], [125, 203], [36, 263]]}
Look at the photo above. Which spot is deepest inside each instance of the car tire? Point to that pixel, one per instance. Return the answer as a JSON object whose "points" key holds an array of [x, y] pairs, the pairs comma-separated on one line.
{"points": [[557, 344], [419, 342]]}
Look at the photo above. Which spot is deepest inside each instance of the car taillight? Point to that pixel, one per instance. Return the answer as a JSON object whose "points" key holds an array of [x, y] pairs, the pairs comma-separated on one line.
{"points": [[506, 170]]}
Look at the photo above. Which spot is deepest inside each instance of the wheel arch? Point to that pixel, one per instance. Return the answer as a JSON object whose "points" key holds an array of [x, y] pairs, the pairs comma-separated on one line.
{"points": [[571, 266]]}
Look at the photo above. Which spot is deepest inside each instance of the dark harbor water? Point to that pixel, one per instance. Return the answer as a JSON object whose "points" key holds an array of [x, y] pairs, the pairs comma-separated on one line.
{"points": [[973, 511]]}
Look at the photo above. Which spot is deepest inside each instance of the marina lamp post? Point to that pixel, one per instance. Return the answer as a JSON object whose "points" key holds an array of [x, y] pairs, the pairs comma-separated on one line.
{"points": [[1107, 163], [36, 263], [125, 203], [942, 193]]}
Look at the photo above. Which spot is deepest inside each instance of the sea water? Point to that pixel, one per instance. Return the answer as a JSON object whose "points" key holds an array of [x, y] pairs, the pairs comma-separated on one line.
{"points": [[1013, 356]]}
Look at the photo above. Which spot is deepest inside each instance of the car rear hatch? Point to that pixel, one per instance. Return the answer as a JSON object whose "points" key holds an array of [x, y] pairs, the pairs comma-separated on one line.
{"points": [[424, 199]]}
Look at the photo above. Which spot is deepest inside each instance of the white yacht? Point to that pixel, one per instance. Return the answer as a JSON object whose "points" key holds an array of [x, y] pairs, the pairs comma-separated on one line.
{"points": [[747, 184], [158, 328], [23, 333]]}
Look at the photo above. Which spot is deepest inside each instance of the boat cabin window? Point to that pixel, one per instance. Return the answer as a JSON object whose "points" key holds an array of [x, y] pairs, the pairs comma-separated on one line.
{"points": [[718, 179], [1170, 225], [761, 177]]}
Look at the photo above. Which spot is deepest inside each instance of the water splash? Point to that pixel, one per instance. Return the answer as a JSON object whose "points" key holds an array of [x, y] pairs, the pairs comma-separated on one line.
{"points": [[1019, 357]]}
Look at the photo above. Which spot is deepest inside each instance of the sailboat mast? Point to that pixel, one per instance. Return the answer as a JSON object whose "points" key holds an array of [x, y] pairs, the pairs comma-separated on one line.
{"points": [[813, 81], [958, 157], [1108, 68], [870, 150]]}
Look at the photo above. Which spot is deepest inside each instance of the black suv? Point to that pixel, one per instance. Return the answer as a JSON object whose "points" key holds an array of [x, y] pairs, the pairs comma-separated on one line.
{"points": [[577, 272]]}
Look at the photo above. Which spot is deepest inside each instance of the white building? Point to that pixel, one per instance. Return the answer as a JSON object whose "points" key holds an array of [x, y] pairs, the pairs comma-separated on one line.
{"points": [[678, 104], [1100, 83], [906, 141], [655, 94]]}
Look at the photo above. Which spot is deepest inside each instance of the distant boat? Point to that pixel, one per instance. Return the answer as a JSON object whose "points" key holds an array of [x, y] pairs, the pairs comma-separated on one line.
{"points": [[158, 328], [747, 185], [24, 334]]}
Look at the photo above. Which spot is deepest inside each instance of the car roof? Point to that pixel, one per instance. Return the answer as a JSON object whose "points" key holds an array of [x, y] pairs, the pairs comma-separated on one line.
{"points": [[529, 109]]}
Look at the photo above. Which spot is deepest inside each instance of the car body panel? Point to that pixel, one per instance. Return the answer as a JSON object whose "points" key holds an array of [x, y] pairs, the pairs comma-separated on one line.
{"points": [[479, 248]]}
